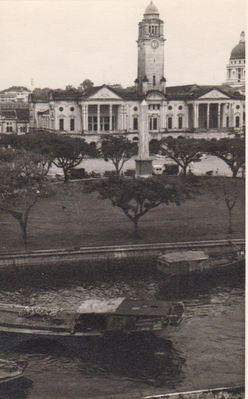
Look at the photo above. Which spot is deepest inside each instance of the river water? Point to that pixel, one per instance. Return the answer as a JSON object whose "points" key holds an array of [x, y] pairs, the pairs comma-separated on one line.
{"points": [[206, 350]]}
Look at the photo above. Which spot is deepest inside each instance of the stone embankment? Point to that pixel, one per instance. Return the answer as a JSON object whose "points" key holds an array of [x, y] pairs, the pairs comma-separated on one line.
{"points": [[88, 257], [237, 392]]}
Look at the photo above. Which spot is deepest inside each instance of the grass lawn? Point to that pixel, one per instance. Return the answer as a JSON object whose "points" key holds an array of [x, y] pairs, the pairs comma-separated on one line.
{"points": [[72, 218]]}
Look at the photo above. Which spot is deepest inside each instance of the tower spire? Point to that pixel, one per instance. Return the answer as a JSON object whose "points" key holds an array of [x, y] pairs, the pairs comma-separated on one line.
{"points": [[242, 37]]}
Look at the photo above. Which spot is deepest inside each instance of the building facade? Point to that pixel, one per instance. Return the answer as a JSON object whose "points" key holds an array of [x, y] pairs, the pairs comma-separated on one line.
{"points": [[191, 110], [14, 118]]}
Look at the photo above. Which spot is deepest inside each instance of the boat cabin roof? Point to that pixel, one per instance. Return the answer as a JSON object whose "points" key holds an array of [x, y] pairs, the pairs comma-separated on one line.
{"points": [[123, 306], [184, 256]]}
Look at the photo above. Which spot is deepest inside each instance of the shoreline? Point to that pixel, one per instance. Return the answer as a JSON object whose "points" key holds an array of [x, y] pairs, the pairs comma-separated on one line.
{"points": [[90, 257]]}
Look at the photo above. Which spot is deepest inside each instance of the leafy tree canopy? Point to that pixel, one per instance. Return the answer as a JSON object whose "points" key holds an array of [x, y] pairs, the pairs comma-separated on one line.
{"points": [[87, 84], [136, 197], [230, 150], [183, 151], [118, 149]]}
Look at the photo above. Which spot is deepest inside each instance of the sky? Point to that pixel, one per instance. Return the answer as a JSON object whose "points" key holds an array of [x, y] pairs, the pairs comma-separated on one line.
{"points": [[62, 42]]}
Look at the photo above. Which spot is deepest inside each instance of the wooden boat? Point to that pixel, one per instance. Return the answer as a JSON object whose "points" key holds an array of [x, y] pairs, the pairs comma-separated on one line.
{"points": [[188, 263], [92, 317], [10, 370]]}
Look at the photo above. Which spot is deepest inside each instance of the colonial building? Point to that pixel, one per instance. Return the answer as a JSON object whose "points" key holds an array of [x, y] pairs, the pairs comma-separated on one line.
{"points": [[192, 110], [14, 118], [15, 94]]}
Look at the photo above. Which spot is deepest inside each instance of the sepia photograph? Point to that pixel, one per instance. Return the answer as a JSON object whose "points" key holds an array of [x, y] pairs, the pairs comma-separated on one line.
{"points": [[122, 199]]}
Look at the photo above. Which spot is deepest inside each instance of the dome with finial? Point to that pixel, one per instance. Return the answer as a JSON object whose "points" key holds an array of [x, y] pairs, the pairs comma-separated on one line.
{"points": [[151, 10], [238, 52]]}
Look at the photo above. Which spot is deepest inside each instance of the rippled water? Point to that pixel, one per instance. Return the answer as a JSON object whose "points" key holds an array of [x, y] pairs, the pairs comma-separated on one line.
{"points": [[206, 350]]}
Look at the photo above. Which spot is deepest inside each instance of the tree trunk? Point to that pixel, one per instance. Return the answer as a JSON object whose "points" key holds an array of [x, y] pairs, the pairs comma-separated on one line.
{"points": [[184, 171], [234, 172], [230, 228], [136, 230], [23, 226], [66, 176]]}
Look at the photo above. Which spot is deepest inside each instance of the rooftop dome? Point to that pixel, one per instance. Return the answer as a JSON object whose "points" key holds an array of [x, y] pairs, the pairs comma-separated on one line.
{"points": [[151, 9], [238, 52]]}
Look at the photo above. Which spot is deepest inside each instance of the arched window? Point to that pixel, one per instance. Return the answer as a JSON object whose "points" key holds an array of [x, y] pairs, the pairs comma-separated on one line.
{"points": [[61, 124], [154, 80], [153, 123], [237, 121], [169, 122], [72, 125], [227, 121], [135, 124], [180, 122]]}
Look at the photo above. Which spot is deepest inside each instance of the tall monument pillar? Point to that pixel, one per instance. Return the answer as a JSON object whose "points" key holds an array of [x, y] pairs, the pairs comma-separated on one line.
{"points": [[143, 161]]}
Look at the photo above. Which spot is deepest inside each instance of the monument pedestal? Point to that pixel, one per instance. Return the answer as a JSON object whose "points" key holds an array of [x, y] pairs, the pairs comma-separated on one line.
{"points": [[143, 167]]}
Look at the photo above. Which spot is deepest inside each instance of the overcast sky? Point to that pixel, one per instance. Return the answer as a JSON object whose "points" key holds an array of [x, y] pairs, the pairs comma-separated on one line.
{"points": [[60, 42]]}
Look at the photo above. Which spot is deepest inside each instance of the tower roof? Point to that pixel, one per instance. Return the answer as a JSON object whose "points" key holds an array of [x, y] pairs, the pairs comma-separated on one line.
{"points": [[238, 52], [151, 10]]}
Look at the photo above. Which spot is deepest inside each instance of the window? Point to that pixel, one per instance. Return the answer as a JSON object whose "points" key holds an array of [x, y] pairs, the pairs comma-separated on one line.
{"points": [[9, 129], [154, 80], [92, 123], [22, 129], [237, 121], [61, 124], [154, 106], [180, 107], [72, 109], [237, 106], [135, 124], [170, 107], [153, 123], [72, 125], [227, 121], [61, 109], [180, 122], [104, 123], [170, 122], [135, 108]]}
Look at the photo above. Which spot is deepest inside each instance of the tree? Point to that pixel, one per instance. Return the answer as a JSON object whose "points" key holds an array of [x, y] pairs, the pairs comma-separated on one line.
{"points": [[38, 143], [68, 152], [22, 184], [226, 189], [230, 150], [136, 197], [183, 151], [118, 149], [87, 84]]}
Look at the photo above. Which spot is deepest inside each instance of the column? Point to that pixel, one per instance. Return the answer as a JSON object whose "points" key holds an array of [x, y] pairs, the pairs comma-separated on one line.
{"points": [[162, 117], [186, 117], [98, 117], [110, 117], [124, 117], [86, 117], [219, 108], [208, 113], [196, 116], [232, 122]]}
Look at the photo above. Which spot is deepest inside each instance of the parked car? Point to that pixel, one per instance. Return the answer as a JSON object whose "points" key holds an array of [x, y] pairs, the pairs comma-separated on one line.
{"points": [[79, 173]]}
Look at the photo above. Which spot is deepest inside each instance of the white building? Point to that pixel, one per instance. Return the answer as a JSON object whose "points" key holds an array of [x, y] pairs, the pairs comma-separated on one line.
{"points": [[192, 110]]}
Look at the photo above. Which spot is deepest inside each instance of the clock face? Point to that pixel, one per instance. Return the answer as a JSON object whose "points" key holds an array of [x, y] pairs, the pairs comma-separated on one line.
{"points": [[154, 44]]}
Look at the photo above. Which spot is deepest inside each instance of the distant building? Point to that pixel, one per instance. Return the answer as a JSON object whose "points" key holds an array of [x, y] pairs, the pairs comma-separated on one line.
{"points": [[15, 94], [192, 110], [14, 118], [236, 65]]}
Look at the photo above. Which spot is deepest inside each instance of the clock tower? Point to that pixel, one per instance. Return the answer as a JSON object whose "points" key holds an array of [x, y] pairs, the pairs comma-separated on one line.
{"points": [[151, 52]]}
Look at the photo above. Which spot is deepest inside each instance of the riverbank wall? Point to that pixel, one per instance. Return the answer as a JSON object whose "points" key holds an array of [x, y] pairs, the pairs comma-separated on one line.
{"points": [[106, 256], [237, 392]]}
